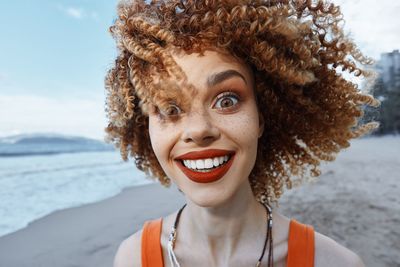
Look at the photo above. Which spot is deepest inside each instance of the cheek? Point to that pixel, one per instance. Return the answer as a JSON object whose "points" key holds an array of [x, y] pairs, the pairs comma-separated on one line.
{"points": [[161, 139], [156, 139], [243, 127]]}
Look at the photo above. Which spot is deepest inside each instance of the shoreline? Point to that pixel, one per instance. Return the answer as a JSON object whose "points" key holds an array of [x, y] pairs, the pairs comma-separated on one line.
{"points": [[74, 207], [88, 235]]}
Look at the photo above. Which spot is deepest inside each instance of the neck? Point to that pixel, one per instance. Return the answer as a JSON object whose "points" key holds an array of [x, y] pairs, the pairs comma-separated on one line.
{"points": [[224, 229]]}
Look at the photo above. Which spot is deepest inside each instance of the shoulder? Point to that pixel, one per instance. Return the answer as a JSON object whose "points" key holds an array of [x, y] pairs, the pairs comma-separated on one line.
{"points": [[330, 253], [129, 251]]}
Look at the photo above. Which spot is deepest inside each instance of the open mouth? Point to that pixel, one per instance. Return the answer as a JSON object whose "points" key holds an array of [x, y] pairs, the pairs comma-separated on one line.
{"points": [[206, 170]]}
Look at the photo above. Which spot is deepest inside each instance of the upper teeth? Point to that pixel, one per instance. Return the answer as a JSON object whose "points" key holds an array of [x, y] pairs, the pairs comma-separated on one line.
{"points": [[205, 163]]}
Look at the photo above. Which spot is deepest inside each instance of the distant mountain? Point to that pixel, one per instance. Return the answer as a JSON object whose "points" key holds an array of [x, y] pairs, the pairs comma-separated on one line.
{"points": [[48, 143]]}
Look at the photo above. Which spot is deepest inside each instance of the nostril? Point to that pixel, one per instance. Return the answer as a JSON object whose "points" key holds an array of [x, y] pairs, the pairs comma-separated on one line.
{"points": [[199, 138]]}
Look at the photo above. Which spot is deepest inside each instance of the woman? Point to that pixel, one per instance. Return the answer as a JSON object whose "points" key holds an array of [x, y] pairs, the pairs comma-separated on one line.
{"points": [[233, 101]]}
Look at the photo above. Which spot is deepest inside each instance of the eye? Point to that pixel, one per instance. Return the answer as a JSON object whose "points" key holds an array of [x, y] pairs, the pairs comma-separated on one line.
{"points": [[171, 111], [226, 100]]}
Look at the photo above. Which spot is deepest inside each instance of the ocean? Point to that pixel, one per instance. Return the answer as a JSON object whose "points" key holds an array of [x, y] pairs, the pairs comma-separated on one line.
{"points": [[33, 184]]}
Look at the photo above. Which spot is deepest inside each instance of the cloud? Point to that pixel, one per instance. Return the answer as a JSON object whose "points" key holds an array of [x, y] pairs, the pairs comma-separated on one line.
{"points": [[33, 113], [74, 12], [78, 12]]}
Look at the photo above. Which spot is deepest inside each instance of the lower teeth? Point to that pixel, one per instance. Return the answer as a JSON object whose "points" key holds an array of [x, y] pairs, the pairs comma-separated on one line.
{"points": [[205, 170]]}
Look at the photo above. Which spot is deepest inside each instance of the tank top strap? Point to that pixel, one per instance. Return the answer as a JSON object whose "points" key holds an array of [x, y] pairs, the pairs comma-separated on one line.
{"points": [[151, 244], [300, 245]]}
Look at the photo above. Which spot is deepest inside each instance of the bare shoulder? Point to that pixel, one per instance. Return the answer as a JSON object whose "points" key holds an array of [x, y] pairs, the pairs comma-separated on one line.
{"points": [[129, 252], [330, 253]]}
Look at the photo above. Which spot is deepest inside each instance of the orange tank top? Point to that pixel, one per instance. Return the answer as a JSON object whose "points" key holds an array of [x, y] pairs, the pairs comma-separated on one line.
{"points": [[300, 245]]}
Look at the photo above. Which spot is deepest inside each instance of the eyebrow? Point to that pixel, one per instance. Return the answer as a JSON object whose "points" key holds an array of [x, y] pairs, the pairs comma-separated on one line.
{"points": [[222, 76]]}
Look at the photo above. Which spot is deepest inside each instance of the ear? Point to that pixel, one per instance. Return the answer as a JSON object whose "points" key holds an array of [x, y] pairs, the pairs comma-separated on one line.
{"points": [[261, 124]]}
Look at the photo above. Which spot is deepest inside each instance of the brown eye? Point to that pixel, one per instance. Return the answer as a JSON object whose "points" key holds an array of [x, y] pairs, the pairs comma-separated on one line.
{"points": [[227, 100], [172, 110]]}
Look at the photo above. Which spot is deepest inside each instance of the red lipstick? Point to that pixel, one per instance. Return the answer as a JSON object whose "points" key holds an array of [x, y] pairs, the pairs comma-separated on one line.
{"points": [[208, 153], [210, 176]]}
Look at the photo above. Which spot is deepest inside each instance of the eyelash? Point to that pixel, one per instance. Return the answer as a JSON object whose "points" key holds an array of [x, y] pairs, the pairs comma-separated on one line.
{"points": [[225, 95], [219, 97], [163, 116]]}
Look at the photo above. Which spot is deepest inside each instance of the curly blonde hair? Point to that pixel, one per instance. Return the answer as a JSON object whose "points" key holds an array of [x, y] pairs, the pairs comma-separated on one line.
{"points": [[295, 48]]}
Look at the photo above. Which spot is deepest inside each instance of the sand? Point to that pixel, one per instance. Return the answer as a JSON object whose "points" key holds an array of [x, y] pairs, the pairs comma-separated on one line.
{"points": [[355, 202], [87, 235]]}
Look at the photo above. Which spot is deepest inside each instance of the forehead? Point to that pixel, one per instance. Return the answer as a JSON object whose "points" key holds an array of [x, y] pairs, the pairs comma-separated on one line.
{"points": [[210, 67]]}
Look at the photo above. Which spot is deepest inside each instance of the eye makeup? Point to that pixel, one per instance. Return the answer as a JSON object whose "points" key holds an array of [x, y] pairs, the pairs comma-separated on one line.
{"points": [[163, 115], [232, 96]]}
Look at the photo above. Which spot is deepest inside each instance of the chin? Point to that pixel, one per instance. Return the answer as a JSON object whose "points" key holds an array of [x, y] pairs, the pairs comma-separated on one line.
{"points": [[205, 203], [209, 198]]}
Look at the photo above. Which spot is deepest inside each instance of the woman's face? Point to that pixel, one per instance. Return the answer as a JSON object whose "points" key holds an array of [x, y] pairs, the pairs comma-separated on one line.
{"points": [[221, 122]]}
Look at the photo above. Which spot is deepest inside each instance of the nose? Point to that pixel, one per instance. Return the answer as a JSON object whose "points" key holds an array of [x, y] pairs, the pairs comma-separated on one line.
{"points": [[200, 129]]}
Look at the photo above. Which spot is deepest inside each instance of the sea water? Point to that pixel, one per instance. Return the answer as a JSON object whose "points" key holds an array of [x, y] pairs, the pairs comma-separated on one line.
{"points": [[34, 186]]}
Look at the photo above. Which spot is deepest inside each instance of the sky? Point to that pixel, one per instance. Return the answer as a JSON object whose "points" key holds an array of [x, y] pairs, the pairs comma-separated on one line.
{"points": [[54, 55]]}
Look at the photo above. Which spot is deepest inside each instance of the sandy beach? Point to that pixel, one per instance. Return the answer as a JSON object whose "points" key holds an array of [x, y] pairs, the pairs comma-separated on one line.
{"points": [[87, 235], [355, 202]]}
